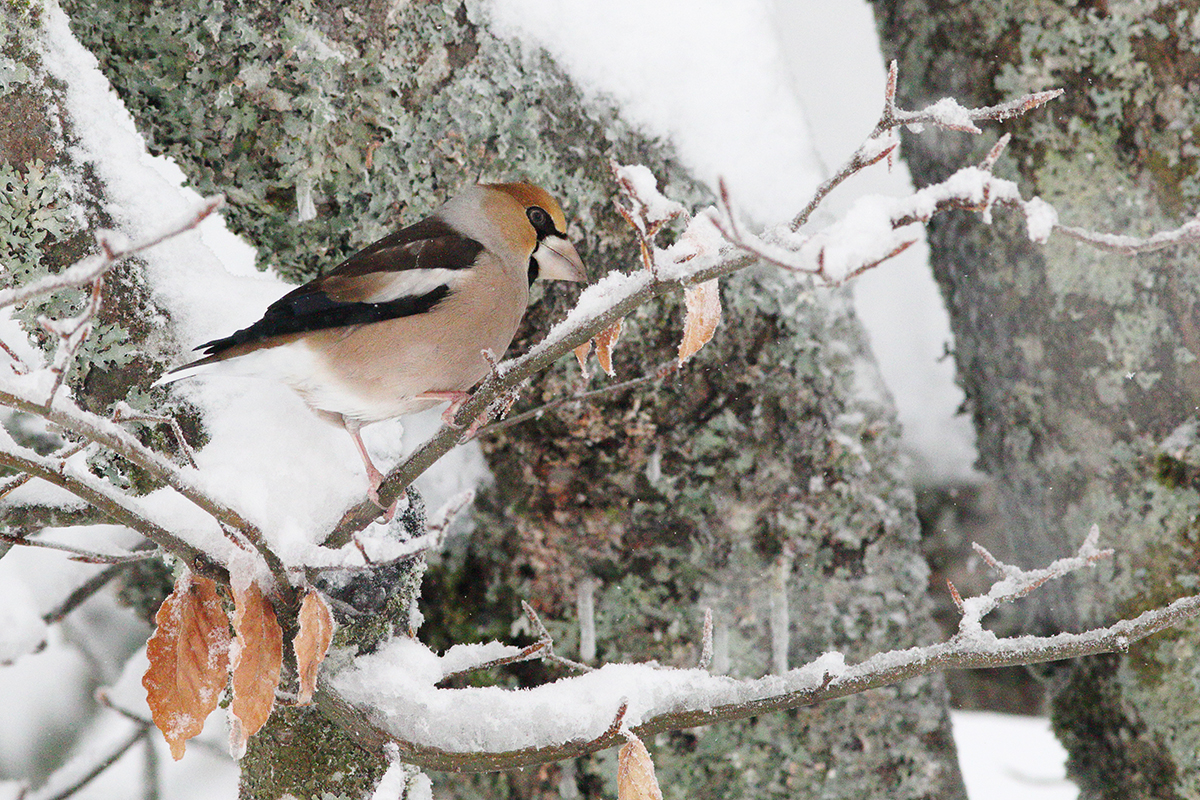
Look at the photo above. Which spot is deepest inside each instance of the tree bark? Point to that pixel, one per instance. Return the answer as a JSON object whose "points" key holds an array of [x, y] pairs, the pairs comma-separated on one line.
{"points": [[759, 482], [1081, 368]]}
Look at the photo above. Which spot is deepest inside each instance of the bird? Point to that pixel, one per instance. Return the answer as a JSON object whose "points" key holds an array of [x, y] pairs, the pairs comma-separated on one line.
{"points": [[409, 321]]}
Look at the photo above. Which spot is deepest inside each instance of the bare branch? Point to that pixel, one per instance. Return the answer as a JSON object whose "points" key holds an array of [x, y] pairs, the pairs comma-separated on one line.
{"points": [[83, 593], [123, 412], [678, 699], [69, 774], [90, 269], [547, 642], [71, 334], [533, 651], [91, 427], [658, 374], [77, 553]]}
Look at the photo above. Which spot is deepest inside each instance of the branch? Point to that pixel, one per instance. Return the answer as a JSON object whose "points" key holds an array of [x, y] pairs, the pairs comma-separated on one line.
{"points": [[20, 394], [103, 496], [82, 770], [946, 113], [77, 553], [93, 428], [560, 720], [88, 270]]}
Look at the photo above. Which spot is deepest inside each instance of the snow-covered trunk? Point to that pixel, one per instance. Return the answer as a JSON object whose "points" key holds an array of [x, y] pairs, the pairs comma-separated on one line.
{"points": [[1081, 368], [760, 482]]}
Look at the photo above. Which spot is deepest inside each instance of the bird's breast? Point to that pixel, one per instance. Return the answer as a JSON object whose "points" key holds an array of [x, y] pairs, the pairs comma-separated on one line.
{"points": [[377, 371]]}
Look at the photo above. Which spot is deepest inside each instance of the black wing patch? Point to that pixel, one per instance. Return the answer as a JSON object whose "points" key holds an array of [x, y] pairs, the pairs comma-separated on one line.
{"points": [[317, 311], [429, 244]]}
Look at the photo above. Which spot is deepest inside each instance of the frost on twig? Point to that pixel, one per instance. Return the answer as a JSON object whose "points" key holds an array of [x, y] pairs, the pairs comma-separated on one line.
{"points": [[645, 208], [1017, 582], [571, 716], [946, 113]]}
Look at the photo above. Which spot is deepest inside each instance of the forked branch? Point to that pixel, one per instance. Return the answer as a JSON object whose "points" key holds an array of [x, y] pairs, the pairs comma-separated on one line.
{"points": [[674, 699]]}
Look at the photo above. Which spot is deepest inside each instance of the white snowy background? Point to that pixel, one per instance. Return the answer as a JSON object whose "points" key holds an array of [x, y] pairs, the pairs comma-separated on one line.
{"points": [[770, 95]]}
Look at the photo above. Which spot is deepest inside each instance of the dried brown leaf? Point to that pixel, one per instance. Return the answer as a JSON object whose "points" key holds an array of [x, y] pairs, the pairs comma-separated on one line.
{"points": [[312, 643], [581, 355], [257, 658], [606, 340], [703, 315], [635, 772], [189, 660]]}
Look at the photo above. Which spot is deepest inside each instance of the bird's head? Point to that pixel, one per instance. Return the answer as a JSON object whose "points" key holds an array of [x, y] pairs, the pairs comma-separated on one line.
{"points": [[542, 225]]}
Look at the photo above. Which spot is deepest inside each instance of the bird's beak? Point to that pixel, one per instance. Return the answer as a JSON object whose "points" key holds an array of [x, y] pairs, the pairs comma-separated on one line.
{"points": [[558, 261]]}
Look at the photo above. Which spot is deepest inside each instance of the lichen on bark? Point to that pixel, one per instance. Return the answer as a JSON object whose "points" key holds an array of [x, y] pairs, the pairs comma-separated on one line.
{"points": [[759, 477], [1079, 366]]}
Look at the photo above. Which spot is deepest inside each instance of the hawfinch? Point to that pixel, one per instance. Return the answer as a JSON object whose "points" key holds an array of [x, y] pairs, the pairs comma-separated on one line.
{"points": [[402, 325]]}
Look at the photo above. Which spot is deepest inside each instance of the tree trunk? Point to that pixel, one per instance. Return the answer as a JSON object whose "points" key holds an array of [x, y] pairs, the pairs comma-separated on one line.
{"points": [[1081, 368], [758, 481]]}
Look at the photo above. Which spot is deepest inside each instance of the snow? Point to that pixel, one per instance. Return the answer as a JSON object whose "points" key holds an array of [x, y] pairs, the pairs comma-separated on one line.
{"points": [[21, 627], [1040, 218], [398, 683], [704, 73], [1004, 756], [732, 82], [301, 472]]}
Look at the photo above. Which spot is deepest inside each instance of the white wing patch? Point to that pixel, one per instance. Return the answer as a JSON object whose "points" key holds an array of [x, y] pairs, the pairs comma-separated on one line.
{"points": [[413, 283]]}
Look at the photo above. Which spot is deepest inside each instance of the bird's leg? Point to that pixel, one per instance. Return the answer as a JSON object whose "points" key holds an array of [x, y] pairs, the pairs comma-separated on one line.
{"points": [[374, 476]]}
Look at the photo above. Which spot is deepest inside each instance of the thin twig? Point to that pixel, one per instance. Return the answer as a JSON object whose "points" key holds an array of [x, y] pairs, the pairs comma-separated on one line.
{"points": [[95, 771], [123, 412], [77, 553], [83, 592], [657, 374], [86, 271], [547, 641]]}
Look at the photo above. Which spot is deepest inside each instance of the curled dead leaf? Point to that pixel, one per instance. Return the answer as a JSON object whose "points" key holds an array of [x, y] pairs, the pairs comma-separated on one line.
{"points": [[703, 303], [581, 355], [606, 340], [635, 772], [312, 643], [257, 656], [189, 660]]}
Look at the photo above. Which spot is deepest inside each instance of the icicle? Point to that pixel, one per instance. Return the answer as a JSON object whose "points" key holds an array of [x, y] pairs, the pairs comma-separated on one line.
{"points": [[779, 614], [585, 605]]}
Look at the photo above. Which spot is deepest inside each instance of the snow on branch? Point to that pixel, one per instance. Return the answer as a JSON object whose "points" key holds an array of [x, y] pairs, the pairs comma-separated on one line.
{"points": [[946, 113], [715, 243], [35, 391], [112, 251], [585, 713], [1016, 583], [23, 394], [72, 332]]}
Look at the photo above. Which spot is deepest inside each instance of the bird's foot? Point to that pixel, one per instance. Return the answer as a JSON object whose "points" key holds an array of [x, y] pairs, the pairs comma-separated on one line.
{"points": [[388, 511], [456, 400]]}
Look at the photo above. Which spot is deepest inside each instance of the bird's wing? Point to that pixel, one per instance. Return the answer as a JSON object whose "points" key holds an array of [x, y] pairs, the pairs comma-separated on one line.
{"points": [[405, 273]]}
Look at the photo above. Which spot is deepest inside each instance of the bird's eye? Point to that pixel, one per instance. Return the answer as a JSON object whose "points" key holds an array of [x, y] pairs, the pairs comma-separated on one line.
{"points": [[540, 220]]}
